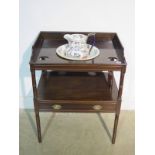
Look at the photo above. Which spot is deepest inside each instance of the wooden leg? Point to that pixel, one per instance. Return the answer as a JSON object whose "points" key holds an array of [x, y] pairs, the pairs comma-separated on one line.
{"points": [[38, 124], [118, 104], [36, 105], [115, 128]]}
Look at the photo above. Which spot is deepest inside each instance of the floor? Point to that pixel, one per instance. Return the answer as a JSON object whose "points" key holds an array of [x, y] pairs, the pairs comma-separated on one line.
{"points": [[77, 134]]}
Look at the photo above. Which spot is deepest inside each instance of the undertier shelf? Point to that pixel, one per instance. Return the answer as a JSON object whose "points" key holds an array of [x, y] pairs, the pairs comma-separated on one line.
{"points": [[76, 87]]}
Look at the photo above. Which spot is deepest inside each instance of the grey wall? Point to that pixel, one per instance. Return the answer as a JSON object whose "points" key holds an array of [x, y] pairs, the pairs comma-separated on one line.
{"points": [[81, 15]]}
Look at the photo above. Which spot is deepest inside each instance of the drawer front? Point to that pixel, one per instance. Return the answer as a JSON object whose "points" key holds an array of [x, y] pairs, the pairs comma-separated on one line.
{"points": [[78, 107]]}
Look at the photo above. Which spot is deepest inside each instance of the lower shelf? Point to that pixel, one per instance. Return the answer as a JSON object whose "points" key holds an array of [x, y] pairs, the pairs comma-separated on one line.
{"points": [[76, 92], [76, 86]]}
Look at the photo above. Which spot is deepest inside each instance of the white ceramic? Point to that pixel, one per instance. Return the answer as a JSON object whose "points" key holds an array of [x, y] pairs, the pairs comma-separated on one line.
{"points": [[77, 45], [62, 51]]}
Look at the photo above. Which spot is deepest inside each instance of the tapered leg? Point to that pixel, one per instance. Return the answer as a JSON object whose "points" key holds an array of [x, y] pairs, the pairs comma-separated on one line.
{"points": [[38, 124], [118, 104], [115, 128], [36, 107]]}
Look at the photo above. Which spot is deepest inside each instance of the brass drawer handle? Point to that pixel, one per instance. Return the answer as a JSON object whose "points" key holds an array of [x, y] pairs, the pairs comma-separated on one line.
{"points": [[56, 107], [97, 107]]}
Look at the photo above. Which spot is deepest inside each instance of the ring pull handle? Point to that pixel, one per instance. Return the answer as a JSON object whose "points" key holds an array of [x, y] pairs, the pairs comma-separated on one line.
{"points": [[56, 107], [97, 107]]}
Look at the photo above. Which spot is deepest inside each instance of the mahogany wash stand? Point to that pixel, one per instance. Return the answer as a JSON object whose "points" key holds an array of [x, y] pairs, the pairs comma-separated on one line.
{"points": [[77, 86]]}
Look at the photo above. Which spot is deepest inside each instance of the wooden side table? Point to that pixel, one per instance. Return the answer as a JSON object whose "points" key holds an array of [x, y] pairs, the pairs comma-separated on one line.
{"points": [[70, 86]]}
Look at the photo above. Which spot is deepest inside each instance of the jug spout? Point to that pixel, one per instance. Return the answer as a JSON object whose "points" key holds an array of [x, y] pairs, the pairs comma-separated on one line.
{"points": [[68, 37]]}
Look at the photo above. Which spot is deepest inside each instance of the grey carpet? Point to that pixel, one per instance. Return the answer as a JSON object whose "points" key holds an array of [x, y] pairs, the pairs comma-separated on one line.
{"points": [[76, 134]]}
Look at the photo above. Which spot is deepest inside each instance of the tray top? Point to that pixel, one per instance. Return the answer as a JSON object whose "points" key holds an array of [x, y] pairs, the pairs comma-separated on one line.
{"points": [[44, 50]]}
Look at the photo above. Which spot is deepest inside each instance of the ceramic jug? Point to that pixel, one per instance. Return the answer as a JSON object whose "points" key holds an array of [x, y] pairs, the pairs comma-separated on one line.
{"points": [[77, 44]]}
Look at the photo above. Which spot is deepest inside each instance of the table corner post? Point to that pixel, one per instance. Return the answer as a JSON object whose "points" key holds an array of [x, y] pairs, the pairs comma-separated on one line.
{"points": [[118, 107], [36, 105]]}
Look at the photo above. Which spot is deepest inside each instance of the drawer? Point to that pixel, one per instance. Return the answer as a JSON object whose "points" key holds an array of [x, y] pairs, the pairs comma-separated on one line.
{"points": [[77, 107]]}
